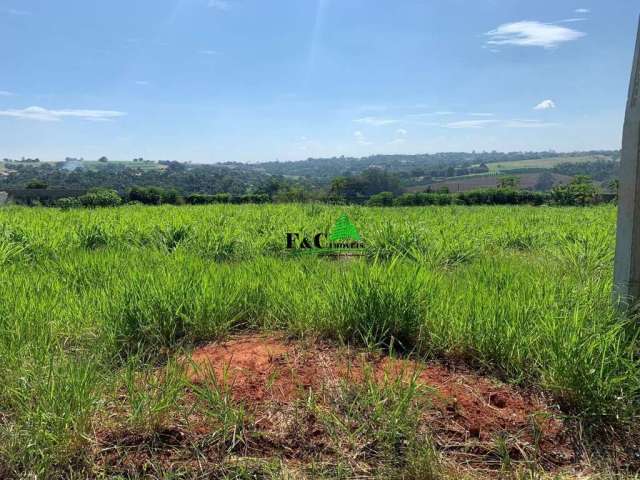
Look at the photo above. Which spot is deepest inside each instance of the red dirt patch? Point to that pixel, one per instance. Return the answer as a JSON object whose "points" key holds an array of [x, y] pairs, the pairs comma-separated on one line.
{"points": [[470, 412]]}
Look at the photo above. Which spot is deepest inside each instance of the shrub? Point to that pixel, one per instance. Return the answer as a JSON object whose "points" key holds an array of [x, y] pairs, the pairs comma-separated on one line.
{"points": [[37, 184], [382, 199], [251, 198], [204, 199], [67, 203], [93, 236], [422, 199], [146, 195], [501, 196], [100, 198], [581, 191]]}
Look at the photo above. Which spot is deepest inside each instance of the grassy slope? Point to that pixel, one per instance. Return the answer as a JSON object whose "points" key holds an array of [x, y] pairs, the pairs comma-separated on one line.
{"points": [[469, 182], [84, 294], [542, 163]]}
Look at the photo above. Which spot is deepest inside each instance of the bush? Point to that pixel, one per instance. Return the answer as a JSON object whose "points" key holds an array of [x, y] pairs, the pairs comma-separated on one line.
{"points": [[421, 199], [501, 196], [581, 191], [251, 198], [382, 199], [100, 198], [37, 184], [146, 195], [204, 199], [172, 197], [67, 203]]}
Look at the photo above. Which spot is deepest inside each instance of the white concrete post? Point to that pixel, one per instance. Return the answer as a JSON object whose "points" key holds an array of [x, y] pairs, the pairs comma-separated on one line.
{"points": [[627, 262]]}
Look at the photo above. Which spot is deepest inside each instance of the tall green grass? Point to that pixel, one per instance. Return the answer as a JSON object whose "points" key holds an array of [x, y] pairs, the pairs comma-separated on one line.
{"points": [[521, 291]]}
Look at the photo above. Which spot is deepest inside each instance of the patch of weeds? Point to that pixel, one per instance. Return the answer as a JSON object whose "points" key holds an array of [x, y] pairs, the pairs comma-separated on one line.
{"points": [[152, 396], [93, 236], [15, 245], [451, 255], [171, 237], [228, 418], [522, 241], [376, 424], [376, 310], [390, 241], [218, 247]]}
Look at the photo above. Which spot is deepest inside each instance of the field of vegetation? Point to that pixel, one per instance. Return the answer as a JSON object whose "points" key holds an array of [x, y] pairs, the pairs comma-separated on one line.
{"points": [[99, 309], [542, 162]]}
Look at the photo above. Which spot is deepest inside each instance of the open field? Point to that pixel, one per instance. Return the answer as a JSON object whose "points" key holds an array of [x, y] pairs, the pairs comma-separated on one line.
{"points": [[472, 182], [542, 162], [95, 165], [471, 342]]}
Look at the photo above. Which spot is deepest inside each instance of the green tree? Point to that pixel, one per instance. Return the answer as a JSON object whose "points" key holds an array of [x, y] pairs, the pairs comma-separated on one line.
{"points": [[509, 182], [545, 181], [338, 186], [37, 184], [580, 191], [100, 198], [382, 199]]}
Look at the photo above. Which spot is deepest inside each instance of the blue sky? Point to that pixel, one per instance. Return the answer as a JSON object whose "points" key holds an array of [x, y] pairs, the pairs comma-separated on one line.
{"points": [[257, 80]]}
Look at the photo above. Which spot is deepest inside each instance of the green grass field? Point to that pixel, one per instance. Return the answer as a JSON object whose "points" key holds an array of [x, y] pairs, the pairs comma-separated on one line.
{"points": [[92, 302], [541, 163]]}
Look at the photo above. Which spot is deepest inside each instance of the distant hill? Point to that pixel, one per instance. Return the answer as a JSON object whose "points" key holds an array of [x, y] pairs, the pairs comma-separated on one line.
{"points": [[459, 171], [435, 165]]}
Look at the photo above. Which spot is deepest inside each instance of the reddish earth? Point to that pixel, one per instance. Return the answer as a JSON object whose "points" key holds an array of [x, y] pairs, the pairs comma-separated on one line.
{"points": [[468, 411], [474, 420]]}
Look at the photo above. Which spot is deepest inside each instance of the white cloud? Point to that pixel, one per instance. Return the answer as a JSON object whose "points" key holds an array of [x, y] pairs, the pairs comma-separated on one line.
{"points": [[470, 124], [532, 34], [222, 5], [208, 52], [529, 124], [571, 20], [401, 137], [376, 121], [45, 115], [545, 105], [360, 138], [582, 10], [142, 82], [5, 93], [430, 114], [481, 114]]}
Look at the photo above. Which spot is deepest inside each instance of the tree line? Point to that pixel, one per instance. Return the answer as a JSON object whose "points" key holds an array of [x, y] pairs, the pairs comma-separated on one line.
{"points": [[580, 192]]}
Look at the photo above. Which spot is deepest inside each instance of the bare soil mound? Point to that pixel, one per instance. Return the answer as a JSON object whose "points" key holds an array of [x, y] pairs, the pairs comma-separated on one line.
{"points": [[262, 398], [468, 413]]}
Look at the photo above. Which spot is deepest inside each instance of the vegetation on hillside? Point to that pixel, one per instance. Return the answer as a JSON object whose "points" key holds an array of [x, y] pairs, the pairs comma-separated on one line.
{"points": [[347, 179]]}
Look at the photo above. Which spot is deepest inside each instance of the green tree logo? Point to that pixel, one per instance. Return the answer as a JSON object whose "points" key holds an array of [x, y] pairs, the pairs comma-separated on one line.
{"points": [[344, 230]]}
